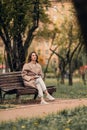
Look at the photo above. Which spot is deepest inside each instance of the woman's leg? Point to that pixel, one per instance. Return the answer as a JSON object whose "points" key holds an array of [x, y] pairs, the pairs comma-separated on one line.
{"points": [[44, 89], [42, 84], [40, 93]]}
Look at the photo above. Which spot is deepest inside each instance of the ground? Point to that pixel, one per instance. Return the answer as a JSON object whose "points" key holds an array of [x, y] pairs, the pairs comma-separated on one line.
{"points": [[37, 110]]}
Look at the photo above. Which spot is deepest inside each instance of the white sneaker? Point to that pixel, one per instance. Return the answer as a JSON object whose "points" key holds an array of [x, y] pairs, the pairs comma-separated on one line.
{"points": [[50, 97], [44, 102]]}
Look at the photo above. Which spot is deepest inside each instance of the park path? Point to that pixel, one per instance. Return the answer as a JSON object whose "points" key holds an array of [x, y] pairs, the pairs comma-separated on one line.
{"points": [[38, 110]]}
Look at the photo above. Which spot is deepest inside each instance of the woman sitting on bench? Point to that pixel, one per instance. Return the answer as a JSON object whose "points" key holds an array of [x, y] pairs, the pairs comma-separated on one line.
{"points": [[33, 76]]}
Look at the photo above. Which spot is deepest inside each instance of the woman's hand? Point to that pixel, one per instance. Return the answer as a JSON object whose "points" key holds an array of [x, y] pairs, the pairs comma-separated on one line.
{"points": [[33, 77]]}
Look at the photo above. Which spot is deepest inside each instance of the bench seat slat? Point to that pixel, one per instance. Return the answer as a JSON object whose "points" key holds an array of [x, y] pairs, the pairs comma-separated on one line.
{"points": [[2, 83], [11, 73], [11, 84], [10, 77]]}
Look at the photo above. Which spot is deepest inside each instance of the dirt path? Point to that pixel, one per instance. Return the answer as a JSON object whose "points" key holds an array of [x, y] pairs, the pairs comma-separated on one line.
{"points": [[37, 110]]}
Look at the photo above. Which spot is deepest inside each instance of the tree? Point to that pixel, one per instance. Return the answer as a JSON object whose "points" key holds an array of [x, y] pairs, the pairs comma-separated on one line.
{"points": [[69, 42], [18, 22], [81, 11]]}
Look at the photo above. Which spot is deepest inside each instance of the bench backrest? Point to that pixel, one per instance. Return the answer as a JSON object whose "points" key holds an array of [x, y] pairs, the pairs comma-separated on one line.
{"points": [[11, 79]]}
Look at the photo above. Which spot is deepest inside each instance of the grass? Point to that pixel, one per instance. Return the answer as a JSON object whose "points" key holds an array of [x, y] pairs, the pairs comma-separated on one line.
{"points": [[75, 91], [5, 106], [66, 120], [78, 90]]}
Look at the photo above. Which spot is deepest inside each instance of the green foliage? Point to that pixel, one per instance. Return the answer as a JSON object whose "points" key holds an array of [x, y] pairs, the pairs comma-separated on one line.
{"points": [[18, 22], [45, 33], [65, 120]]}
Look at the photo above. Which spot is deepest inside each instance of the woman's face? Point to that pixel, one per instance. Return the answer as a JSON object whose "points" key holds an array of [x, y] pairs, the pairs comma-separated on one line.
{"points": [[33, 57]]}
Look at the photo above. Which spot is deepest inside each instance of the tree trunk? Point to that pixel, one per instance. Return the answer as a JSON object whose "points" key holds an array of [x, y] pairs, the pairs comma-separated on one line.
{"points": [[70, 75], [70, 79], [62, 78], [45, 71], [15, 55], [81, 10], [62, 71], [19, 55]]}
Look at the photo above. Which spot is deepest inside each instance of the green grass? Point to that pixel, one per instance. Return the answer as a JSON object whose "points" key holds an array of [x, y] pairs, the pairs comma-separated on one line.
{"points": [[6, 106], [75, 91], [78, 90], [66, 120]]}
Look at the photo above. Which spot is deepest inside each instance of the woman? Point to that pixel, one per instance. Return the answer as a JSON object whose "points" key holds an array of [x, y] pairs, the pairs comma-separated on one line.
{"points": [[33, 76]]}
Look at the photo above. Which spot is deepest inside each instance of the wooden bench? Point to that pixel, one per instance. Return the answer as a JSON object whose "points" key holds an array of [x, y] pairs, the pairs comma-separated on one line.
{"points": [[12, 83]]}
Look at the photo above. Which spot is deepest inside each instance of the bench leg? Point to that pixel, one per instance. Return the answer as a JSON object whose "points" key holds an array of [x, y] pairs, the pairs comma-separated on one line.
{"points": [[50, 93], [18, 98], [35, 96], [1, 95]]}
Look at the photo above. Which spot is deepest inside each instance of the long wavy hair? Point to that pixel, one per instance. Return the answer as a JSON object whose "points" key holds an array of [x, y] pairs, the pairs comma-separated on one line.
{"points": [[30, 55]]}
